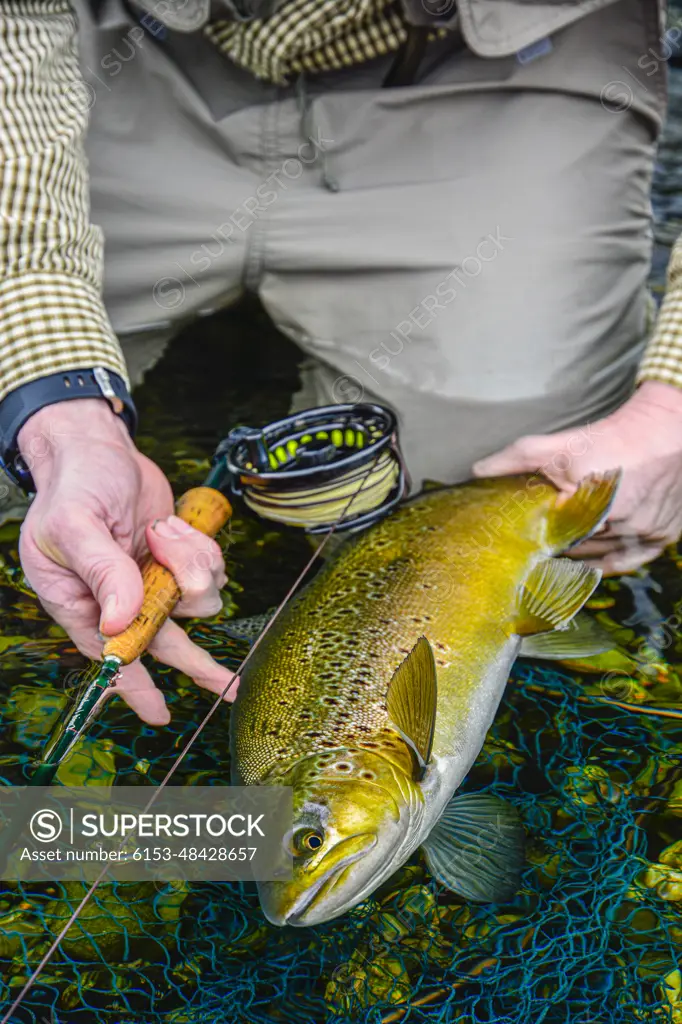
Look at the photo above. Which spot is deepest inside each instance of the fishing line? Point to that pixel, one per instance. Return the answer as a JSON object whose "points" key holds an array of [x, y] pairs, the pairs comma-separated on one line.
{"points": [[171, 771]]}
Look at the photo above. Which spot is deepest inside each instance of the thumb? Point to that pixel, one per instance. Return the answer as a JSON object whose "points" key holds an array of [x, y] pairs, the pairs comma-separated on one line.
{"points": [[90, 551], [527, 455]]}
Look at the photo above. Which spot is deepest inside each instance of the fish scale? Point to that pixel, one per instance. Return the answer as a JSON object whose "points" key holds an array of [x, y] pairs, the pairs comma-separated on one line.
{"points": [[339, 642], [431, 603]]}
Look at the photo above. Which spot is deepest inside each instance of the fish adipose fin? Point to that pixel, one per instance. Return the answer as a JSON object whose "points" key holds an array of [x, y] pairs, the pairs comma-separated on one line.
{"points": [[554, 591], [576, 518], [476, 848], [412, 699], [582, 638]]}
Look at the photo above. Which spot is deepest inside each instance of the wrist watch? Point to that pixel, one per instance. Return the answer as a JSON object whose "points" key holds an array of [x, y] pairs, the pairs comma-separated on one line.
{"points": [[24, 401]]}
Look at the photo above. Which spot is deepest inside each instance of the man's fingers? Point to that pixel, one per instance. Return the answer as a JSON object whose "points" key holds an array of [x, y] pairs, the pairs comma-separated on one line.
{"points": [[195, 560], [142, 696], [626, 559], [596, 547], [135, 685], [527, 455], [615, 535], [173, 647], [83, 544], [81, 625]]}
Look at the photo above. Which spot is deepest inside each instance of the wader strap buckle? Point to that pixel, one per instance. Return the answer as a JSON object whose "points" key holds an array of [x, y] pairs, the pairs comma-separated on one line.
{"points": [[404, 68], [407, 69]]}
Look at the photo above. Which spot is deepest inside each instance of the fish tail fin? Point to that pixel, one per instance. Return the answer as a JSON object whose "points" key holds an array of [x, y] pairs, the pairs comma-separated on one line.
{"points": [[575, 518]]}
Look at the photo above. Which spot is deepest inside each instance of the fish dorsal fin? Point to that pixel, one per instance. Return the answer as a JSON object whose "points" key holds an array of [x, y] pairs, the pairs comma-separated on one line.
{"points": [[554, 591], [412, 699], [476, 848], [577, 517], [582, 638]]}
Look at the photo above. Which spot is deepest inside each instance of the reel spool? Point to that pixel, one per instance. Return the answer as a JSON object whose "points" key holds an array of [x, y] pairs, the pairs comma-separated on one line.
{"points": [[303, 470]]}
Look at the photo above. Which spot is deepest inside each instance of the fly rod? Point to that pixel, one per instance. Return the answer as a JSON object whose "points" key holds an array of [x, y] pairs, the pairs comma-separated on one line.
{"points": [[342, 520]]}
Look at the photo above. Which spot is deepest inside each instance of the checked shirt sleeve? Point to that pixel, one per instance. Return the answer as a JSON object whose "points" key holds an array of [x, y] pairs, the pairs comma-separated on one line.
{"points": [[51, 313], [663, 356]]}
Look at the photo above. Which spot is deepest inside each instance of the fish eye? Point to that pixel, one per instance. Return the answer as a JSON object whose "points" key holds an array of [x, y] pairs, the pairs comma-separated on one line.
{"points": [[307, 841]]}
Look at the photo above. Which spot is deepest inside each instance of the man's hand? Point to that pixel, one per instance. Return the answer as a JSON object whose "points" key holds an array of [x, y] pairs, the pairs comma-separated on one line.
{"points": [[99, 506], [644, 438]]}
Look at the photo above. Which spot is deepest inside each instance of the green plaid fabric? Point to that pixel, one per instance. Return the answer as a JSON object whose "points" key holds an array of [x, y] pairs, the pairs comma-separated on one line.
{"points": [[51, 312], [663, 357], [312, 35]]}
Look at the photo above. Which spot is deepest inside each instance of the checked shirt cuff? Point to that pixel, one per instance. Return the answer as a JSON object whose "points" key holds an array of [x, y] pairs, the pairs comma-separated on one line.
{"points": [[51, 322]]}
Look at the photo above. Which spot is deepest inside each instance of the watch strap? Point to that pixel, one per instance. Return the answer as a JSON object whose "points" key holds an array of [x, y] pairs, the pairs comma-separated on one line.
{"points": [[19, 405]]}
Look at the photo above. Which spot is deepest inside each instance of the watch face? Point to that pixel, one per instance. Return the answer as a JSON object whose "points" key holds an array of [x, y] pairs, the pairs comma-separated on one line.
{"points": [[15, 469]]}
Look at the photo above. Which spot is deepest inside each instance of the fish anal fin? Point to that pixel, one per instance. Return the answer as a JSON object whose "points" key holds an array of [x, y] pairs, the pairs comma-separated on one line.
{"points": [[476, 848], [575, 518], [553, 592], [582, 638], [412, 699]]}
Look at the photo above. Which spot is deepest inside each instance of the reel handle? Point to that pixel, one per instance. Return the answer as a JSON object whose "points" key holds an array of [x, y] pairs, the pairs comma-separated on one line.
{"points": [[205, 509]]}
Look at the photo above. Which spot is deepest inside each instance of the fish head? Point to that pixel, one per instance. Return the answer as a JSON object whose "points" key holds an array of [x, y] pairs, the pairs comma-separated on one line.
{"points": [[355, 816]]}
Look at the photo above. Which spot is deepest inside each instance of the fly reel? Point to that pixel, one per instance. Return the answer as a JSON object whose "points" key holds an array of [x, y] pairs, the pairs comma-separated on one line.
{"points": [[337, 465]]}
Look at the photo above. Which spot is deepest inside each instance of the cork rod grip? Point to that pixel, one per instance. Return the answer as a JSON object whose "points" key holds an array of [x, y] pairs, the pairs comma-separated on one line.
{"points": [[203, 508]]}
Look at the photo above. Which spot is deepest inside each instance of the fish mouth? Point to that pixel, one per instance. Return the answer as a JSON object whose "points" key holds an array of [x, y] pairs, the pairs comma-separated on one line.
{"points": [[334, 876]]}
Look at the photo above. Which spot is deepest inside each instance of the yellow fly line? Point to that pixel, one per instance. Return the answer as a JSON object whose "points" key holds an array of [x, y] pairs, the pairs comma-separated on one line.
{"points": [[312, 506]]}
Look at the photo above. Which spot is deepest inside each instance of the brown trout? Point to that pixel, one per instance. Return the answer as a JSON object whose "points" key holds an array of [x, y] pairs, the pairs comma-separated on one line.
{"points": [[372, 693]]}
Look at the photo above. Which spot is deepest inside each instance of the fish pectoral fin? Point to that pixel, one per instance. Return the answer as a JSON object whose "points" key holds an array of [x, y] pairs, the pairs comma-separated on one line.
{"points": [[247, 629], [582, 638], [476, 848], [575, 518], [412, 699], [554, 591]]}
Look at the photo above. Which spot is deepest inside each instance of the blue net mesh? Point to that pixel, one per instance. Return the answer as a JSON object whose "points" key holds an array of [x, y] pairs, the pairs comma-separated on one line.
{"points": [[594, 934]]}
